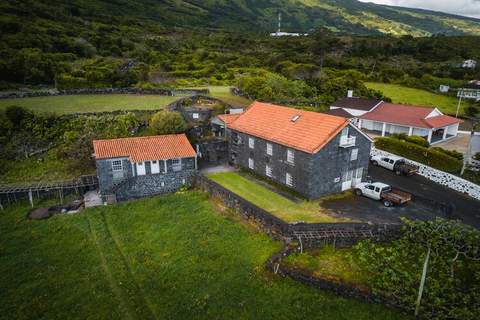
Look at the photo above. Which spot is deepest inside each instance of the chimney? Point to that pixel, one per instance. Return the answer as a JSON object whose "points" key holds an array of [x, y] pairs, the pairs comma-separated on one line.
{"points": [[350, 94]]}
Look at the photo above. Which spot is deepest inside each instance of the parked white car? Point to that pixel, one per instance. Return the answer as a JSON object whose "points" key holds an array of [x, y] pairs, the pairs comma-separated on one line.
{"points": [[394, 163], [382, 192]]}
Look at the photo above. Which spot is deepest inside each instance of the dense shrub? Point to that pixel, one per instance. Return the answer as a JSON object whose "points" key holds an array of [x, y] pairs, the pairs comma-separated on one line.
{"points": [[451, 153], [413, 139], [166, 122], [430, 157], [452, 287]]}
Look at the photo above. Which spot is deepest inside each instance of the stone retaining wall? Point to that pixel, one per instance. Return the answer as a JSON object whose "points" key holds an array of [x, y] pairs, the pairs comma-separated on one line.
{"points": [[446, 179], [281, 230], [54, 92], [153, 184], [275, 265]]}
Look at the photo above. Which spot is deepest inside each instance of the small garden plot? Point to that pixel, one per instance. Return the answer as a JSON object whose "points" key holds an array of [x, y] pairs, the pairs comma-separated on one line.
{"points": [[394, 269], [276, 204]]}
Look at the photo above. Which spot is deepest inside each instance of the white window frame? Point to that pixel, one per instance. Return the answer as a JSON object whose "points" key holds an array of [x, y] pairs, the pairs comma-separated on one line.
{"points": [[117, 165], [251, 163], [177, 164], [289, 179], [354, 155], [155, 166], [195, 115], [268, 171], [290, 156], [251, 143], [141, 170], [269, 149]]}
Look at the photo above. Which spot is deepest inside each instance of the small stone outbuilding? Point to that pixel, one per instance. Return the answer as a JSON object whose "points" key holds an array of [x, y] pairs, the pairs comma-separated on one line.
{"points": [[144, 166]]}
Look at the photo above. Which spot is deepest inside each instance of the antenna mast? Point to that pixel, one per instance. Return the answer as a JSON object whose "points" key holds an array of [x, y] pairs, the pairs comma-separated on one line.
{"points": [[279, 21]]}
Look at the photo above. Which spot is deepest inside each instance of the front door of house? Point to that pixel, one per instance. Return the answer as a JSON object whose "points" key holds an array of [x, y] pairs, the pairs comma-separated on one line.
{"points": [[357, 177], [347, 180]]}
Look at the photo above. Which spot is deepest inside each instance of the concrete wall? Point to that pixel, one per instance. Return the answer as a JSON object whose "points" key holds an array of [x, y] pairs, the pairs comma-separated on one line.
{"points": [[313, 175]]}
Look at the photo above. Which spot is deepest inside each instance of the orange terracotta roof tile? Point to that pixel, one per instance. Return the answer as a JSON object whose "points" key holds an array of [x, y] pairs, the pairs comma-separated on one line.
{"points": [[309, 133], [228, 118], [441, 121], [141, 149]]}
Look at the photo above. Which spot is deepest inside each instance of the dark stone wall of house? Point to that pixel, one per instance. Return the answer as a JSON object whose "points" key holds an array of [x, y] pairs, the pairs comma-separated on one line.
{"points": [[105, 173], [277, 161], [333, 161], [213, 152], [313, 175], [148, 185], [108, 184]]}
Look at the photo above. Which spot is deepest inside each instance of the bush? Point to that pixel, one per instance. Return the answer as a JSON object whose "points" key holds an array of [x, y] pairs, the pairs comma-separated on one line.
{"points": [[451, 153], [430, 157], [413, 139], [166, 122], [477, 156], [452, 287]]}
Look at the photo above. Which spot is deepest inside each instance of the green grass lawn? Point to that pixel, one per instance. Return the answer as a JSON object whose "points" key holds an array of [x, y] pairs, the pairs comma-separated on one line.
{"points": [[285, 209], [335, 264], [406, 95], [223, 93], [91, 103], [170, 257]]}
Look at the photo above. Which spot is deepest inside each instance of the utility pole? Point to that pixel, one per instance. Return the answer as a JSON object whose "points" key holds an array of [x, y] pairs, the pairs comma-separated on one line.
{"points": [[459, 102]]}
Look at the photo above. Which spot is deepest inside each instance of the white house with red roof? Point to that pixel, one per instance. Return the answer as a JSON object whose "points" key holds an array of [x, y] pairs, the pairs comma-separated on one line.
{"points": [[427, 122], [142, 166]]}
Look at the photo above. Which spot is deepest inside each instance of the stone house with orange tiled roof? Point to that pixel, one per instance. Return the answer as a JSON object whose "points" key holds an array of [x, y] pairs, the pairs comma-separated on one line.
{"points": [[312, 153], [143, 166]]}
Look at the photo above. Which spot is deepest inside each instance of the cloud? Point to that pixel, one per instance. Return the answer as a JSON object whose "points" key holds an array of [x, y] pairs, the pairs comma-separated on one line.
{"points": [[469, 8]]}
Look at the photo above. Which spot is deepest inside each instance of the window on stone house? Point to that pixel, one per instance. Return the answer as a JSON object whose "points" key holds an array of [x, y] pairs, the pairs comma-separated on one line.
{"points": [[288, 179], [268, 171], [354, 155], [251, 143], [250, 163], [117, 165], [195, 116], [290, 156], [269, 149]]}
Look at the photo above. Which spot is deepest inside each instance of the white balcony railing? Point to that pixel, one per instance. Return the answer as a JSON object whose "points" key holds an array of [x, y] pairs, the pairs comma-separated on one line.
{"points": [[346, 141]]}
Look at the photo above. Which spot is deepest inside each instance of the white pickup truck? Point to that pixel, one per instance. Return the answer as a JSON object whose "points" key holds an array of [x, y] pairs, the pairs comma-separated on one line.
{"points": [[395, 164], [382, 192]]}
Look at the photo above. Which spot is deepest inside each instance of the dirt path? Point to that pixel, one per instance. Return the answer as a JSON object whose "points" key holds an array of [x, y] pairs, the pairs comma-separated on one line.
{"points": [[117, 291], [140, 292]]}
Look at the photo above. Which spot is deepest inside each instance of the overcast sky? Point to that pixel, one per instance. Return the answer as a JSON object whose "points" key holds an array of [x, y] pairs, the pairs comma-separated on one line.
{"points": [[462, 7]]}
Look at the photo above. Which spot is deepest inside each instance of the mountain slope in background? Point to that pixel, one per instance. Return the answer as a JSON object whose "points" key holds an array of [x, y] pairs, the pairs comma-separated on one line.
{"points": [[342, 16]]}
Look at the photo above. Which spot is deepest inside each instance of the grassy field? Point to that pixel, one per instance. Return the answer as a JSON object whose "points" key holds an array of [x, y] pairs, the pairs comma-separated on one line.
{"points": [[171, 257], [285, 209], [91, 103], [401, 94]]}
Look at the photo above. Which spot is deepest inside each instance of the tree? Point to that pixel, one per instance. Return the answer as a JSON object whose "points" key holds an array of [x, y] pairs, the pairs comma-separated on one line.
{"points": [[166, 122]]}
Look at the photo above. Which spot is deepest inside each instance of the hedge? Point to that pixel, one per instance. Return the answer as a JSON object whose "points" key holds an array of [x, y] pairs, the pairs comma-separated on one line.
{"points": [[412, 151], [413, 139]]}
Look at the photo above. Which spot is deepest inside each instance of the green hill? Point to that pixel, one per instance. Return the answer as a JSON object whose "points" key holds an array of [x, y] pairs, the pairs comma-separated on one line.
{"points": [[342, 16]]}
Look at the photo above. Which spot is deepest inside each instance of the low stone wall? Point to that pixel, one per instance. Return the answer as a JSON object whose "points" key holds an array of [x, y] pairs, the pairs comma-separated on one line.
{"points": [[153, 184], [281, 230], [446, 179], [54, 92], [275, 265]]}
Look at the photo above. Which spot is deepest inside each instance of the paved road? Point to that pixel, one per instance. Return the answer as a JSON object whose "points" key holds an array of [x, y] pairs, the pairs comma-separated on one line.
{"points": [[466, 208]]}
